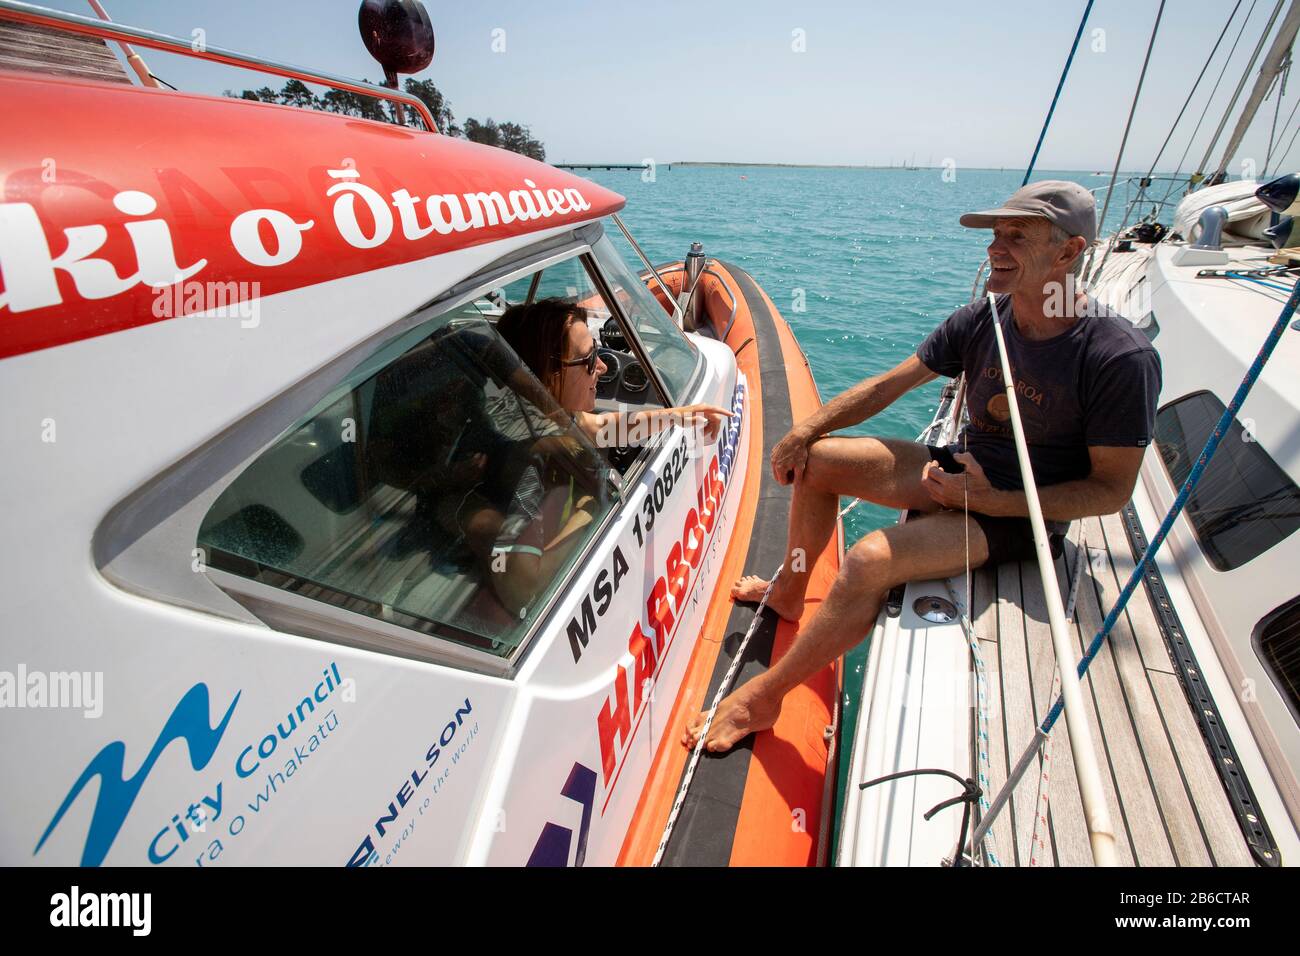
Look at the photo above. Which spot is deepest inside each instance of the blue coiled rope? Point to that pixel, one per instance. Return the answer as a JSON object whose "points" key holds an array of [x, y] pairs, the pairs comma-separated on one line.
{"points": [[1211, 446]]}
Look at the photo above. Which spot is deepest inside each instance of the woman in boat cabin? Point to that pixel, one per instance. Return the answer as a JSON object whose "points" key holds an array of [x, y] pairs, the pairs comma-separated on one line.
{"points": [[552, 505]]}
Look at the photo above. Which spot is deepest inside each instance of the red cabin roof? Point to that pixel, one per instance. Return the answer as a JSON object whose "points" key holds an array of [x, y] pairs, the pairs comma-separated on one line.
{"points": [[113, 192]]}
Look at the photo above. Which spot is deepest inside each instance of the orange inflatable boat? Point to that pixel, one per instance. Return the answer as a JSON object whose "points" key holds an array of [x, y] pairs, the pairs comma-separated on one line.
{"points": [[766, 802]]}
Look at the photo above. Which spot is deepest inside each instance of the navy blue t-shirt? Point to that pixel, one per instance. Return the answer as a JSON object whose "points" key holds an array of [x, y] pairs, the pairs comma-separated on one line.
{"points": [[1094, 384]]}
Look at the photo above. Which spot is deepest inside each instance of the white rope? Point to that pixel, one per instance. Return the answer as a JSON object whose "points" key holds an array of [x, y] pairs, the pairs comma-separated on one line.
{"points": [[708, 722], [983, 762]]}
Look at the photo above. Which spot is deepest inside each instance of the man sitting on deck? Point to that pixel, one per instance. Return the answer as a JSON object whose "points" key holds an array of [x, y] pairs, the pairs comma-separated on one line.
{"points": [[1086, 384]]}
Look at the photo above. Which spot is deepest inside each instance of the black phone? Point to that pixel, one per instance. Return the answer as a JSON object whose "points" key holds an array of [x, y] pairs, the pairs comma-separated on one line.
{"points": [[946, 461]]}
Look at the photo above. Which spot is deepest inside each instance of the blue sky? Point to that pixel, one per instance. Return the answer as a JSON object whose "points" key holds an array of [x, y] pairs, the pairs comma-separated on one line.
{"points": [[878, 82]]}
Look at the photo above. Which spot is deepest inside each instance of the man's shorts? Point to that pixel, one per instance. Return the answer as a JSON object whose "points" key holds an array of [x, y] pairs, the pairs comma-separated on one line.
{"points": [[1009, 538]]}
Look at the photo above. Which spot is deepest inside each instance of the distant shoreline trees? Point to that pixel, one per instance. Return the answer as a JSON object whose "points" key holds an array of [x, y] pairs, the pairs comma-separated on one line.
{"points": [[512, 136]]}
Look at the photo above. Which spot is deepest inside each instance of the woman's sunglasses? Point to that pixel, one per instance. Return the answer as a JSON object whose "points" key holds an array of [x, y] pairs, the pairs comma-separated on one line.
{"points": [[588, 360]]}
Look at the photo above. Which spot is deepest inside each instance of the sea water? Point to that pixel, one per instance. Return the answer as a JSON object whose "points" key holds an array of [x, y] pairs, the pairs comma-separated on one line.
{"points": [[862, 263]]}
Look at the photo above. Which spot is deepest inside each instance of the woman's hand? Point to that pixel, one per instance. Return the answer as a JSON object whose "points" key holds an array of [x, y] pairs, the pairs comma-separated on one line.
{"points": [[710, 417]]}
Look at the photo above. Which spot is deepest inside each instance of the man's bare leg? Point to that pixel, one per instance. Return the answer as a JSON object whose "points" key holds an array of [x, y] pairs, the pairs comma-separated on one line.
{"points": [[930, 546], [886, 471]]}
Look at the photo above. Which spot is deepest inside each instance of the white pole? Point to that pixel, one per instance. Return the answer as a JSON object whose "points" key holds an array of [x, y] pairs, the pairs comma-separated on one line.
{"points": [[133, 58], [1097, 814]]}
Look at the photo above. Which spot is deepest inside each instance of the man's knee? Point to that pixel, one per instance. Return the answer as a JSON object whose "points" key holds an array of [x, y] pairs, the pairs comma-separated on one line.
{"points": [[868, 560], [816, 470]]}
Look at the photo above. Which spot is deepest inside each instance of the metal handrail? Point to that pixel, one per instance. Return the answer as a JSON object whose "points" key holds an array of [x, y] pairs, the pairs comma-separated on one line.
{"points": [[89, 26], [974, 289], [679, 316]]}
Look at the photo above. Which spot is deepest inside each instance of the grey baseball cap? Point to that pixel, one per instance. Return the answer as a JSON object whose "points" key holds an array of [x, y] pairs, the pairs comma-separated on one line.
{"points": [[1063, 204]]}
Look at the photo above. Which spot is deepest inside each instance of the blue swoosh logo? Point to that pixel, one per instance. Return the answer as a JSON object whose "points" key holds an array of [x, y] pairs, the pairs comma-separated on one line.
{"points": [[188, 722]]}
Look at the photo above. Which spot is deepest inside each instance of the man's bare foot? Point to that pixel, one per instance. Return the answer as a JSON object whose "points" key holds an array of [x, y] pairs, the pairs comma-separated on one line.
{"points": [[743, 712], [751, 587]]}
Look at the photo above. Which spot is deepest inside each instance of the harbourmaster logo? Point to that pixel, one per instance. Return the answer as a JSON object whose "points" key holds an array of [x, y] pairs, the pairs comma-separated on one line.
{"points": [[117, 793], [552, 847]]}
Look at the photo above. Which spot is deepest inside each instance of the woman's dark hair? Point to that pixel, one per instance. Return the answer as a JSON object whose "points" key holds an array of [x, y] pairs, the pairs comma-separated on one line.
{"points": [[536, 331]]}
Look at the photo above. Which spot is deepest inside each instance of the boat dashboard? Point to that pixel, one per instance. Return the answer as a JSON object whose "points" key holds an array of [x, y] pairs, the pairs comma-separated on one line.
{"points": [[623, 386], [625, 380]]}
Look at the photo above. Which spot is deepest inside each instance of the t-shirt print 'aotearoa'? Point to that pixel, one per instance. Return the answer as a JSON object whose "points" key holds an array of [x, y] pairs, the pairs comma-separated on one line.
{"points": [[1094, 384]]}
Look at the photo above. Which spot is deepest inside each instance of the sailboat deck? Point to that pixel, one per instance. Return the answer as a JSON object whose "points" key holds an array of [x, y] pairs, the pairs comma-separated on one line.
{"points": [[1167, 804]]}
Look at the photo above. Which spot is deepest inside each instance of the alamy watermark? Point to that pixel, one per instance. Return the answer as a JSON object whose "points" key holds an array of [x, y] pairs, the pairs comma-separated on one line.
{"points": [[126, 910], [82, 690], [624, 430], [220, 300], [1062, 301]]}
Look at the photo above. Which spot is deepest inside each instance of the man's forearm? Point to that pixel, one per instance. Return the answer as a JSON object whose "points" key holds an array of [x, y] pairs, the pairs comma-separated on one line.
{"points": [[1063, 502], [845, 410]]}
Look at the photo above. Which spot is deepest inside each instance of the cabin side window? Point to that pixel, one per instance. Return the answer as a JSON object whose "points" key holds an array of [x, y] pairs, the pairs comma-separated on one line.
{"points": [[1277, 642], [439, 487], [1244, 503]]}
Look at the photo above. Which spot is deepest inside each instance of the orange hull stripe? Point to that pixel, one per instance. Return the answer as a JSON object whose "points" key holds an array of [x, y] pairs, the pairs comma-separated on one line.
{"points": [[780, 811]]}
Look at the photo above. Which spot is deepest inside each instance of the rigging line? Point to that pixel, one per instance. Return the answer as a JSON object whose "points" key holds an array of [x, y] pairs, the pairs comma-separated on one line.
{"points": [[1275, 61], [1037, 845], [1060, 84], [1269, 158], [984, 764], [968, 627], [1279, 84], [1281, 162], [1241, 85], [1258, 291], [1187, 102], [1119, 157], [1205, 112], [1264, 282]]}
